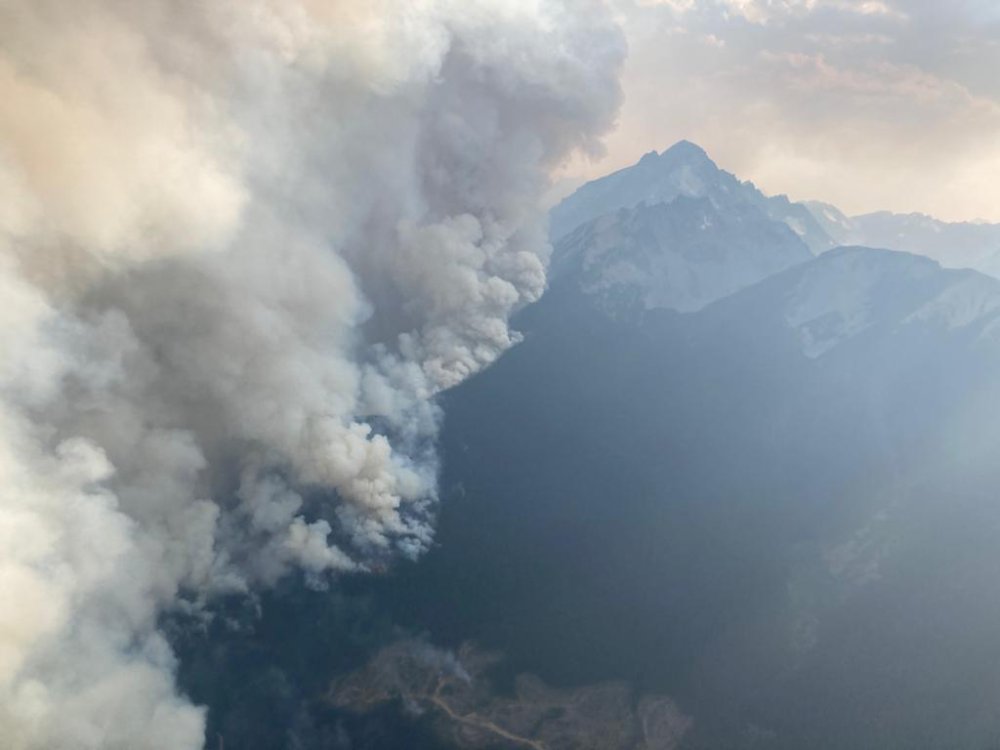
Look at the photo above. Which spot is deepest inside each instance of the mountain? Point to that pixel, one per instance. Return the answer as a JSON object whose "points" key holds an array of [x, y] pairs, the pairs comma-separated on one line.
{"points": [[853, 292], [682, 170], [680, 255], [726, 494], [685, 170], [954, 245], [778, 510]]}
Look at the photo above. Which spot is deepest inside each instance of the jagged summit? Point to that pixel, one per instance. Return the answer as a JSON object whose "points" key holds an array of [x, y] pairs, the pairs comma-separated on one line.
{"points": [[686, 149], [684, 169], [680, 152], [648, 159]]}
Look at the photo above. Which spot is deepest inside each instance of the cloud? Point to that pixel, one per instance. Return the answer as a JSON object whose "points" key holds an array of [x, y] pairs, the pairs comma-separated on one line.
{"points": [[242, 247], [869, 105], [765, 11]]}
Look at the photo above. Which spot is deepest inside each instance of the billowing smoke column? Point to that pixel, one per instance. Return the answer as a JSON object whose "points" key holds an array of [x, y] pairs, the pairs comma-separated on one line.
{"points": [[242, 245]]}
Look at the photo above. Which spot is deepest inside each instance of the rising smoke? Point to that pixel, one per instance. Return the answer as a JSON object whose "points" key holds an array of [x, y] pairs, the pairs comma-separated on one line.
{"points": [[242, 246]]}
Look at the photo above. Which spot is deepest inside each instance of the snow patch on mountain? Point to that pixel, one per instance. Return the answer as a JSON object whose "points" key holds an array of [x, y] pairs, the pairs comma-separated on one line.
{"points": [[850, 290], [679, 256], [825, 310], [969, 301]]}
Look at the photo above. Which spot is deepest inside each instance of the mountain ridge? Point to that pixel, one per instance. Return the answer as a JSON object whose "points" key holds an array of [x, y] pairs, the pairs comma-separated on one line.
{"points": [[679, 255], [684, 169], [962, 244]]}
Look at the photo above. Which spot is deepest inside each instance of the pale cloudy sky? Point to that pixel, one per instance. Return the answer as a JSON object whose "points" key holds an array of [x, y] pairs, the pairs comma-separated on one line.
{"points": [[868, 104]]}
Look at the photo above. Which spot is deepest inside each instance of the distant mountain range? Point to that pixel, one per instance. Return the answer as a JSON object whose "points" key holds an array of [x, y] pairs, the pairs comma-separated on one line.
{"points": [[953, 245], [685, 170]]}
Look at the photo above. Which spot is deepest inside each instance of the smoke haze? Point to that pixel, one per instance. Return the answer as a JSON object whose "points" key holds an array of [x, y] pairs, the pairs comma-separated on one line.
{"points": [[242, 246]]}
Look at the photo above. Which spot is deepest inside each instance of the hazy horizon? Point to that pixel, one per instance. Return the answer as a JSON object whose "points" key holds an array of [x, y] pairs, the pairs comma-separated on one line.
{"points": [[868, 105]]}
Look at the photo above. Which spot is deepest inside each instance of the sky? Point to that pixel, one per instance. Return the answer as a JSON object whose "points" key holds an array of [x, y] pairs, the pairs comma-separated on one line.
{"points": [[868, 104]]}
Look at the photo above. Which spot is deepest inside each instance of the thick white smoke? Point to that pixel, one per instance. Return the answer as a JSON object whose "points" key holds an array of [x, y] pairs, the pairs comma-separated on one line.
{"points": [[242, 245]]}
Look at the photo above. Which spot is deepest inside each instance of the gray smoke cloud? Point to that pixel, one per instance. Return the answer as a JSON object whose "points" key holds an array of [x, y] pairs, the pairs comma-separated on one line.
{"points": [[242, 246]]}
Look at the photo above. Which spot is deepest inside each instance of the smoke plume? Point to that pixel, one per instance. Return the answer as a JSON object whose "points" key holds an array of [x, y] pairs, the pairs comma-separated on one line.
{"points": [[242, 246]]}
